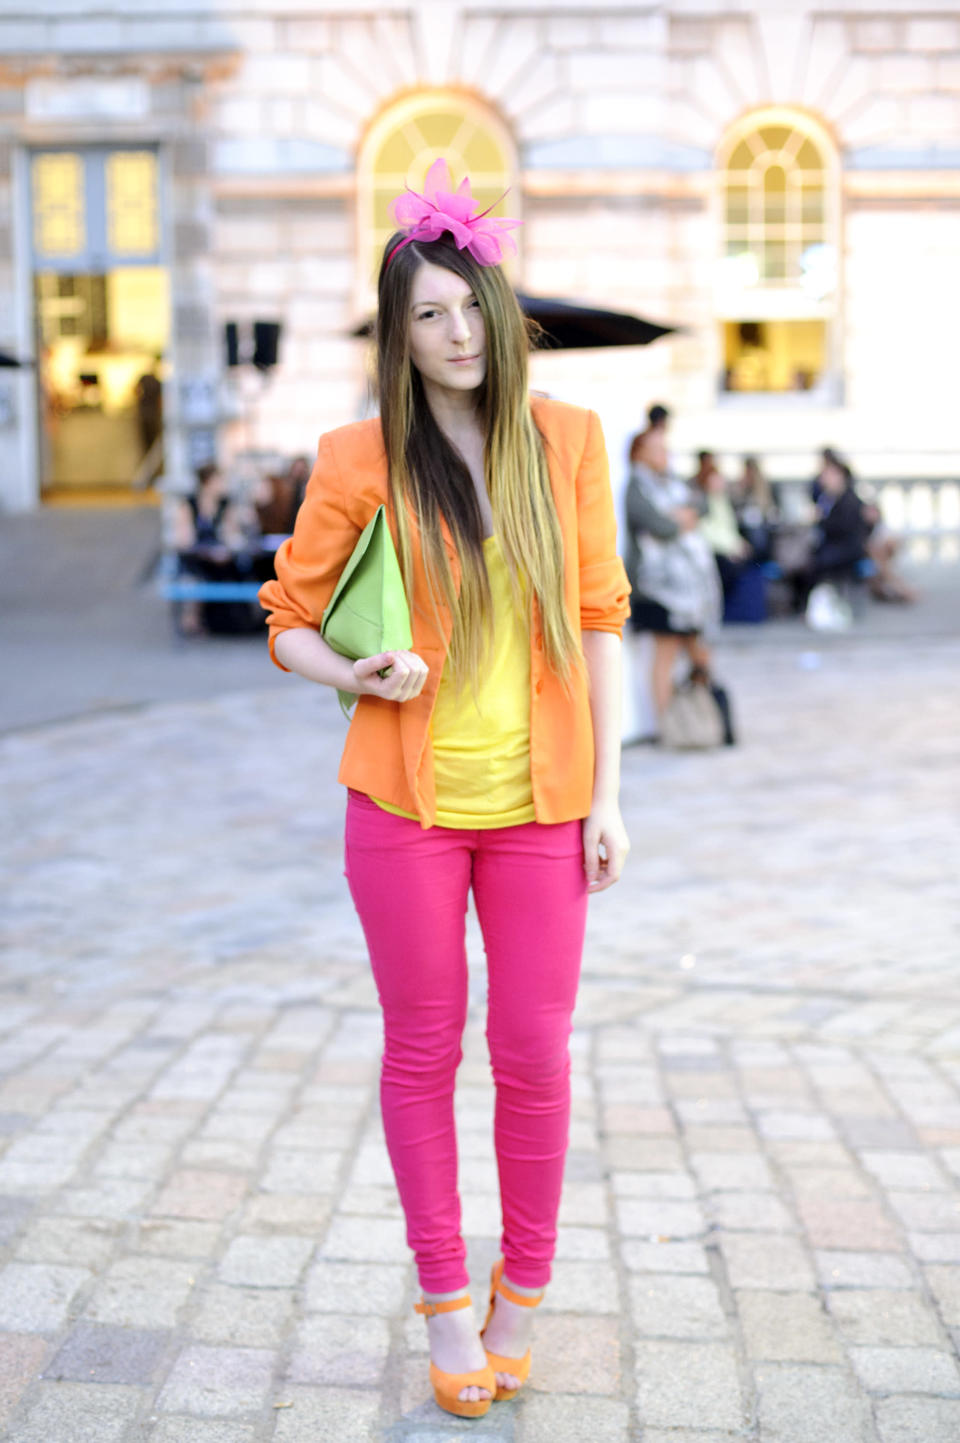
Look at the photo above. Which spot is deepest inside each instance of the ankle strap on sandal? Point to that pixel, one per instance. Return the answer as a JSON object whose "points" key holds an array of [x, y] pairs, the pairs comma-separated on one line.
{"points": [[452, 1305], [520, 1298]]}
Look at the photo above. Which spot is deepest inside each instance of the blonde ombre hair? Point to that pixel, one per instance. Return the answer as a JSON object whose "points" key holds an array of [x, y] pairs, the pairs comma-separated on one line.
{"points": [[430, 480]]}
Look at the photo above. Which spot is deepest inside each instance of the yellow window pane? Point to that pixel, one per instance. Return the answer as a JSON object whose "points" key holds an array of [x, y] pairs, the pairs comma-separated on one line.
{"points": [[132, 202], [811, 205], [775, 137], [738, 205], [742, 157], [59, 227], [808, 156], [482, 153], [774, 179], [439, 128], [396, 153]]}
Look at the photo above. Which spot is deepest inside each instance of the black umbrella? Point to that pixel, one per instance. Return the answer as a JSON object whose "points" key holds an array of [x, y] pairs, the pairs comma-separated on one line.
{"points": [[567, 327]]}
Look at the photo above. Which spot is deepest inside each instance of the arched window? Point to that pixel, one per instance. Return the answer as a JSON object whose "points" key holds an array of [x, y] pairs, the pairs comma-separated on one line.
{"points": [[402, 144], [778, 281]]}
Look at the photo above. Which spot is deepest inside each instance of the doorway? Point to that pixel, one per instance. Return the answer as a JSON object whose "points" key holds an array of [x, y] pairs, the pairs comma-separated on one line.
{"points": [[102, 320]]}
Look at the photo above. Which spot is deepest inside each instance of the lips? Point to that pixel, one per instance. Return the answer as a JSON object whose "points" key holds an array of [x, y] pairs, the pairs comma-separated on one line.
{"points": [[460, 360]]}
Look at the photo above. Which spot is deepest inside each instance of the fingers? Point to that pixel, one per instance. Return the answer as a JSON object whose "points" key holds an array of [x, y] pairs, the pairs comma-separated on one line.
{"points": [[405, 675], [604, 855]]}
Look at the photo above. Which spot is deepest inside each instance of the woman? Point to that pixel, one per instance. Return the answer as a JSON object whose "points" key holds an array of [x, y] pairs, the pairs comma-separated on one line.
{"points": [[732, 552], [212, 537], [676, 591], [487, 756]]}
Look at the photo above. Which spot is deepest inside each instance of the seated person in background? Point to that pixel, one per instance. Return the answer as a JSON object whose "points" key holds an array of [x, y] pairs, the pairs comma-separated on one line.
{"points": [[886, 584], [755, 508], [279, 498], [718, 524], [212, 535], [843, 526]]}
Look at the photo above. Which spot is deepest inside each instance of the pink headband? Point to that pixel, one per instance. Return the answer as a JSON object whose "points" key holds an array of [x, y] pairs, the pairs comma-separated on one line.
{"points": [[441, 210]]}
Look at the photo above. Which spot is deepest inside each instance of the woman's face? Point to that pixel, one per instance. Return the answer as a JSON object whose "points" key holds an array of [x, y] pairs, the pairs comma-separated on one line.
{"points": [[447, 340]]}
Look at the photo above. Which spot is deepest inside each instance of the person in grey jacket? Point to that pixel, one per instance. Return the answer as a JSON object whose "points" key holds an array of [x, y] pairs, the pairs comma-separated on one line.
{"points": [[676, 590]]}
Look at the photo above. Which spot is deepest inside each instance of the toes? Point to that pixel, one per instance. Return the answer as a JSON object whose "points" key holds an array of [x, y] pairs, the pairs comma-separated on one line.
{"points": [[473, 1395], [507, 1381]]}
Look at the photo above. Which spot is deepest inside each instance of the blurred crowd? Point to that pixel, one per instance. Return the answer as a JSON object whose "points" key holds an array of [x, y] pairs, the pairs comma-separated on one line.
{"points": [[709, 549]]}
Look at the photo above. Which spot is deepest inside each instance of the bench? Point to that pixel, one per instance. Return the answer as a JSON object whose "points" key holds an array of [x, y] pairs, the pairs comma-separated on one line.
{"points": [[178, 587]]}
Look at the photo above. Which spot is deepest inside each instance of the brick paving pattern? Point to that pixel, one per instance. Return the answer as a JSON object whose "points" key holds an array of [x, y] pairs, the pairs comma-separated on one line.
{"points": [[199, 1238]]}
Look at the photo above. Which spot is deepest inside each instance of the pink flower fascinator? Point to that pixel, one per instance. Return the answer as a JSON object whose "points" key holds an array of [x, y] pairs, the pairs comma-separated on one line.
{"points": [[441, 210]]}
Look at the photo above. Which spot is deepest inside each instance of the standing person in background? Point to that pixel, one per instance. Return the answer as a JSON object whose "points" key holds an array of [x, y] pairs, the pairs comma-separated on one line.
{"points": [[718, 524], [652, 441], [755, 507], [676, 591], [485, 757]]}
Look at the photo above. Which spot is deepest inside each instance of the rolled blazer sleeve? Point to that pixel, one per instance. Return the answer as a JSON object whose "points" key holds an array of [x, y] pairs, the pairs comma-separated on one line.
{"points": [[309, 563], [604, 588]]}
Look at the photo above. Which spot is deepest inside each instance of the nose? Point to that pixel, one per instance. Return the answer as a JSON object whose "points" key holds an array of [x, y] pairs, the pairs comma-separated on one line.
{"points": [[459, 326]]}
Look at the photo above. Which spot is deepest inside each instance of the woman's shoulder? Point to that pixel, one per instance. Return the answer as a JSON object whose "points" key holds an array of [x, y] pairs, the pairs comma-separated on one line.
{"points": [[560, 418], [358, 444]]}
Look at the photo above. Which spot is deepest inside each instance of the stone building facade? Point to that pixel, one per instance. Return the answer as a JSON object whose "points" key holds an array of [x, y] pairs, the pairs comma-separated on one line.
{"points": [[781, 182]]}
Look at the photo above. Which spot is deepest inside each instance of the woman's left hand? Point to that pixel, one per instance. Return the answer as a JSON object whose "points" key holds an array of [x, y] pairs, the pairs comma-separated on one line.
{"points": [[605, 846]]}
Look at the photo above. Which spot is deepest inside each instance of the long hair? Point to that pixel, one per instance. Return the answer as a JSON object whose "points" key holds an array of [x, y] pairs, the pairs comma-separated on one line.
{"points": [[430, 480]]}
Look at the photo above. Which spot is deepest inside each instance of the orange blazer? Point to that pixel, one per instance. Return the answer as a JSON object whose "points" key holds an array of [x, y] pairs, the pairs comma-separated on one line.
{"points": [[388, 750]]}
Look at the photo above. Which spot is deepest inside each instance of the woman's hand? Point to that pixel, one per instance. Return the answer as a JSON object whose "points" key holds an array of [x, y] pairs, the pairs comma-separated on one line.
{"points": [[406, 674], [605, 846]]}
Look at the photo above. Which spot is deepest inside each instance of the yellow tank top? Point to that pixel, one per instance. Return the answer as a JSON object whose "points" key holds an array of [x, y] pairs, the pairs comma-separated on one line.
{"points": [[481, 736]]}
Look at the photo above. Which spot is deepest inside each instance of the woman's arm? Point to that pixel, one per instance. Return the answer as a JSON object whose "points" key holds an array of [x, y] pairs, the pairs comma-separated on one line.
{"points": [[605, 840], [302, 649], [643, 516]]}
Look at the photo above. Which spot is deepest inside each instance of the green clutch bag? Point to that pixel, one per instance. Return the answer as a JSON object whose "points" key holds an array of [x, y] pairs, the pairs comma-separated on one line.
{"points": [[368, 611]]}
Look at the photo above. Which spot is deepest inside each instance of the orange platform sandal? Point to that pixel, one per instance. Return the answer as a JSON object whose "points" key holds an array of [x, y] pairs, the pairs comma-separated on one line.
{"points": [[519, 1367], [448, 1386]]}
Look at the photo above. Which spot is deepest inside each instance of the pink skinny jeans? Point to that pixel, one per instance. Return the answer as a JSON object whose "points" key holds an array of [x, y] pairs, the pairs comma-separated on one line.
{"points": [[410, 890]]}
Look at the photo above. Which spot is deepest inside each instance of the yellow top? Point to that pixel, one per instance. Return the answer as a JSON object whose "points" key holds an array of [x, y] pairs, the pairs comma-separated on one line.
{"points": [[481, 736]]}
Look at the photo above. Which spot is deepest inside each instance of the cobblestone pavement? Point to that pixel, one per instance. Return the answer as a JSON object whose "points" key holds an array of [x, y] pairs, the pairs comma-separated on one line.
{"points": [[199, 1239]]}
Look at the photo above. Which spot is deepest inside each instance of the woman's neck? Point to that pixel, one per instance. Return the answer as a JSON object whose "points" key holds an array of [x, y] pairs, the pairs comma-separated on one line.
{"points": [[455, 412]]}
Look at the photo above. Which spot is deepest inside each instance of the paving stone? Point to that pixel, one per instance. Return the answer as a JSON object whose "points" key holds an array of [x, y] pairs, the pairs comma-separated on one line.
{"points": [[245, 1317], [21, 1358], [877, 1316], [79, 1413], [296, 1171], [664, 1257], [906, 1370], [36, 1297], [688, 1385], [918, 1420], [352, 1239], [731, 1172], [665, 1306], [217, 1382], [935, 1247], [820, 1183], [566, 1418], [927, 1212], [200, 1430], [664, 1185], [165, 1237], [88, 1242], [334, 1348], [265, 1262], [575, 1355], [750, 1212], [201, 1194], [660, 1218], [843, 1223], [141, 1292], [371, 1288], [756, 1260], [94, 1353], [810, 1405], [787, 1327], [348, 1415], [862, 1270], [300, 1212], [945, 1285], [582, 1287], [904, 1170]]}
